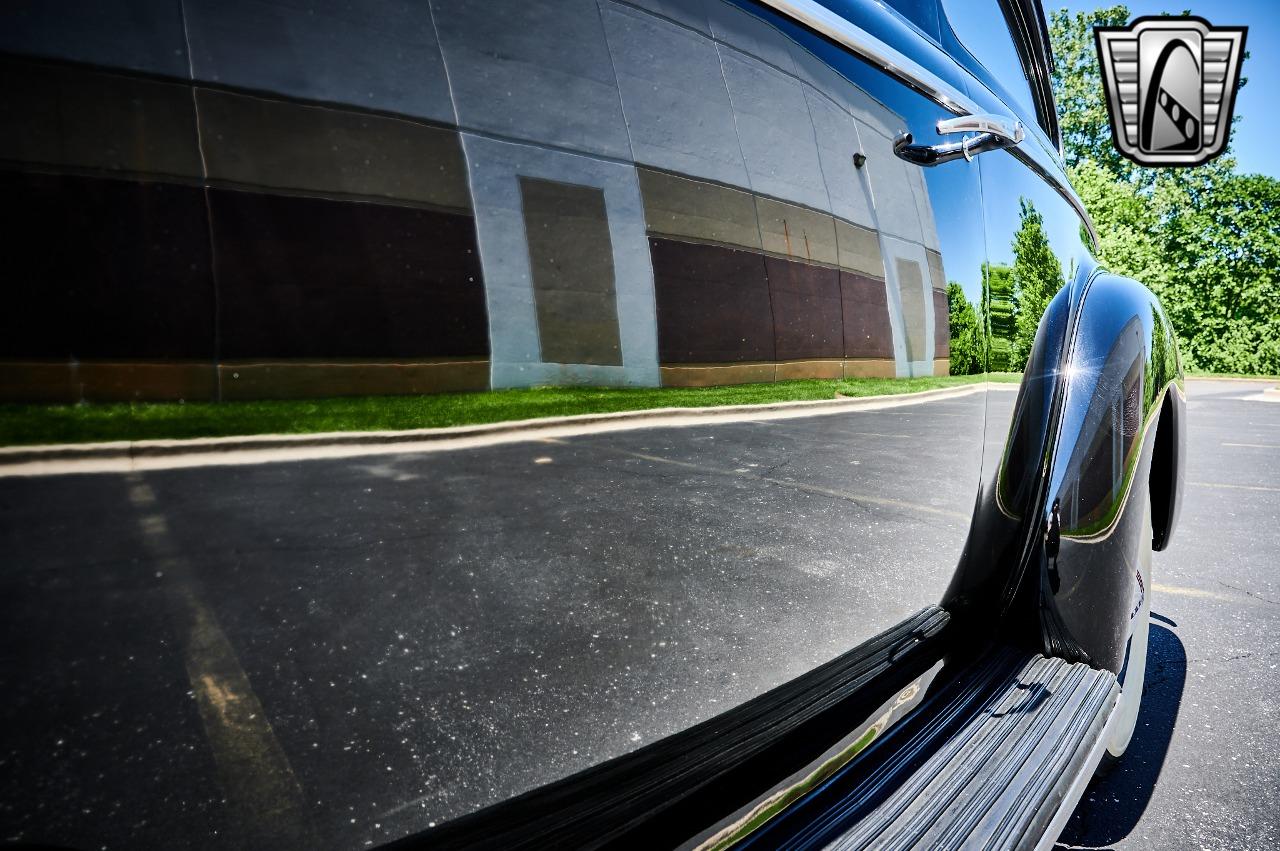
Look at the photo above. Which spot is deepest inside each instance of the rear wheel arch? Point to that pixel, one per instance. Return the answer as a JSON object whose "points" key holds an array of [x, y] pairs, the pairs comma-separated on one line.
{"points": [[1167, 465]]}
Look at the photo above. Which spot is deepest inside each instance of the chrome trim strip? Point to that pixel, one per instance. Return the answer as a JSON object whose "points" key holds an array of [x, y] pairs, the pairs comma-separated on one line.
{"points": [[857, 40], [825, 22], [1065, 189]]}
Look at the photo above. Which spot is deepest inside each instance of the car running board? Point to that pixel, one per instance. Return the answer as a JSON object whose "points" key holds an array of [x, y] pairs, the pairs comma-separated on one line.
{"points": [[990, 762]]}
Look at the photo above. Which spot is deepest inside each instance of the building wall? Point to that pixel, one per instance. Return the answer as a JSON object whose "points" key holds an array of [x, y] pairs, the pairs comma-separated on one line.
{"points": [[209, 199]]}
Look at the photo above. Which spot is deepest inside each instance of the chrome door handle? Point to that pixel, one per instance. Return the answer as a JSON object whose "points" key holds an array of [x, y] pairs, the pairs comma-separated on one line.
{"points": [[989, 133]]}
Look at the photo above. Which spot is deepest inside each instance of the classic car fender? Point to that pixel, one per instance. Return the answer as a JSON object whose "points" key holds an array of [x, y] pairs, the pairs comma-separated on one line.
{"points": [[1099, 424], [1117, 438]]}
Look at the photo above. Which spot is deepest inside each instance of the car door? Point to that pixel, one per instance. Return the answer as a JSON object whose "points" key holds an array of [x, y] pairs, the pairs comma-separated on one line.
{"points": [[683, 193], [700, 567]]}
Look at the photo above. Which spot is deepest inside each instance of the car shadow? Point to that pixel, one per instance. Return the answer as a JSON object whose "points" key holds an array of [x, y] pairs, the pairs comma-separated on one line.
{"points": [[1113, 805]]}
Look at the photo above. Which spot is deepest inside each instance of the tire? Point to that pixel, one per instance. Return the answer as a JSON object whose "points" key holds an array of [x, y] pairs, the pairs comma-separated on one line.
{"points": [[1126, 711]]}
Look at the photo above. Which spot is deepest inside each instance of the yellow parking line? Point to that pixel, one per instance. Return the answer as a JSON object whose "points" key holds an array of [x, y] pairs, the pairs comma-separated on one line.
{"points": [[1234, 487], [1247, 597], [261, 790], [1180, 591]]}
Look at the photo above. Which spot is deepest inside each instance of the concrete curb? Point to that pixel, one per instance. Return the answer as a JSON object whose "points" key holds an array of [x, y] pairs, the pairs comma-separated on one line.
{"points": [[1231, 378], [126, 452]]}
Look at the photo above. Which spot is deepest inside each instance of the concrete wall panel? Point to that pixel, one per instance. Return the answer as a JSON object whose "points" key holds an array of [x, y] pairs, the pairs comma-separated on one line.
{"points": [[775, 130], [911, 297], [713, 304], [690, 13], [937, 276], [141, 35], [865, 309], [674, 96], [533, 69], [571, 262], [377, 54], [941, 326], [910, 306], [745, 32], [868, 112], [895, 200], [924, 209], [496, 168], [859, 249], [838, 141]]}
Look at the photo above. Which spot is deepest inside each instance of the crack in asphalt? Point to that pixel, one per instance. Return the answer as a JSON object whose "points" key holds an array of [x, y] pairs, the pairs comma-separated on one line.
{"points": [[1250, 593]]}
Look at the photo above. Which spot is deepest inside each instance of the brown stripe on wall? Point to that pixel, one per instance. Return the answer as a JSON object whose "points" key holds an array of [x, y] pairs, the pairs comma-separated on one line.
{"points": [[941, 326], [859, 249], [99, 381], [818, 368], [104, 268], [571, 262], [797, 231], [314, 278], [698, 210], [73, 117], [713, 303], [941, 366], [865, 308], [126, 381], [304, 380], [937, 277], [870, 368], [701, 211], [806, 309], [713, 374], [716, 374], [270, 143]]}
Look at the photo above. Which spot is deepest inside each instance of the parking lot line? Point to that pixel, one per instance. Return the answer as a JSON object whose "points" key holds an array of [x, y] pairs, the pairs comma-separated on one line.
{"points": [[261, 788], [1234, 487]]}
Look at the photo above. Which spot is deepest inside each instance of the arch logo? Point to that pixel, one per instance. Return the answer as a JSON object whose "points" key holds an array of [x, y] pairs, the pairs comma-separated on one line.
{"points": [[1171, 87]]}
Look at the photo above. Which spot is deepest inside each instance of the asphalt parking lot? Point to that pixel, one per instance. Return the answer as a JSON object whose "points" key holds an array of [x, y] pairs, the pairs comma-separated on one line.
{"points": [[321, 584], [1203, 770], [337, 652]]}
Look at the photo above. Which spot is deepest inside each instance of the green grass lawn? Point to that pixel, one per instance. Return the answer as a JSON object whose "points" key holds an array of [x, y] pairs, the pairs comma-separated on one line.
{"points": [[28, 424]]}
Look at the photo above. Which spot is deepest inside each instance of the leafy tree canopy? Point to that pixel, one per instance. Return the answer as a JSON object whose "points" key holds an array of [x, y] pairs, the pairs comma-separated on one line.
{"points": [[1204, 239]]}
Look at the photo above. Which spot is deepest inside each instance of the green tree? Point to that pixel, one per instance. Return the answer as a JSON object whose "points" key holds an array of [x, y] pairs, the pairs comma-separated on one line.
{"points": [[1126, 221], [1077, 87], [1218, 273], [1206, 240], [1037, 277], [966, 334], [999, 311]]}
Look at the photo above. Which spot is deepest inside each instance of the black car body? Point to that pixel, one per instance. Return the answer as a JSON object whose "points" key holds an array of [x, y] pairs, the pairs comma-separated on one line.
{"points": [[914, 621]]}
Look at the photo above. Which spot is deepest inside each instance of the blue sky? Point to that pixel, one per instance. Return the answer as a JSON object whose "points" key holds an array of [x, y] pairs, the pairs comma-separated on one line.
{"points": [[1258, 130]]}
